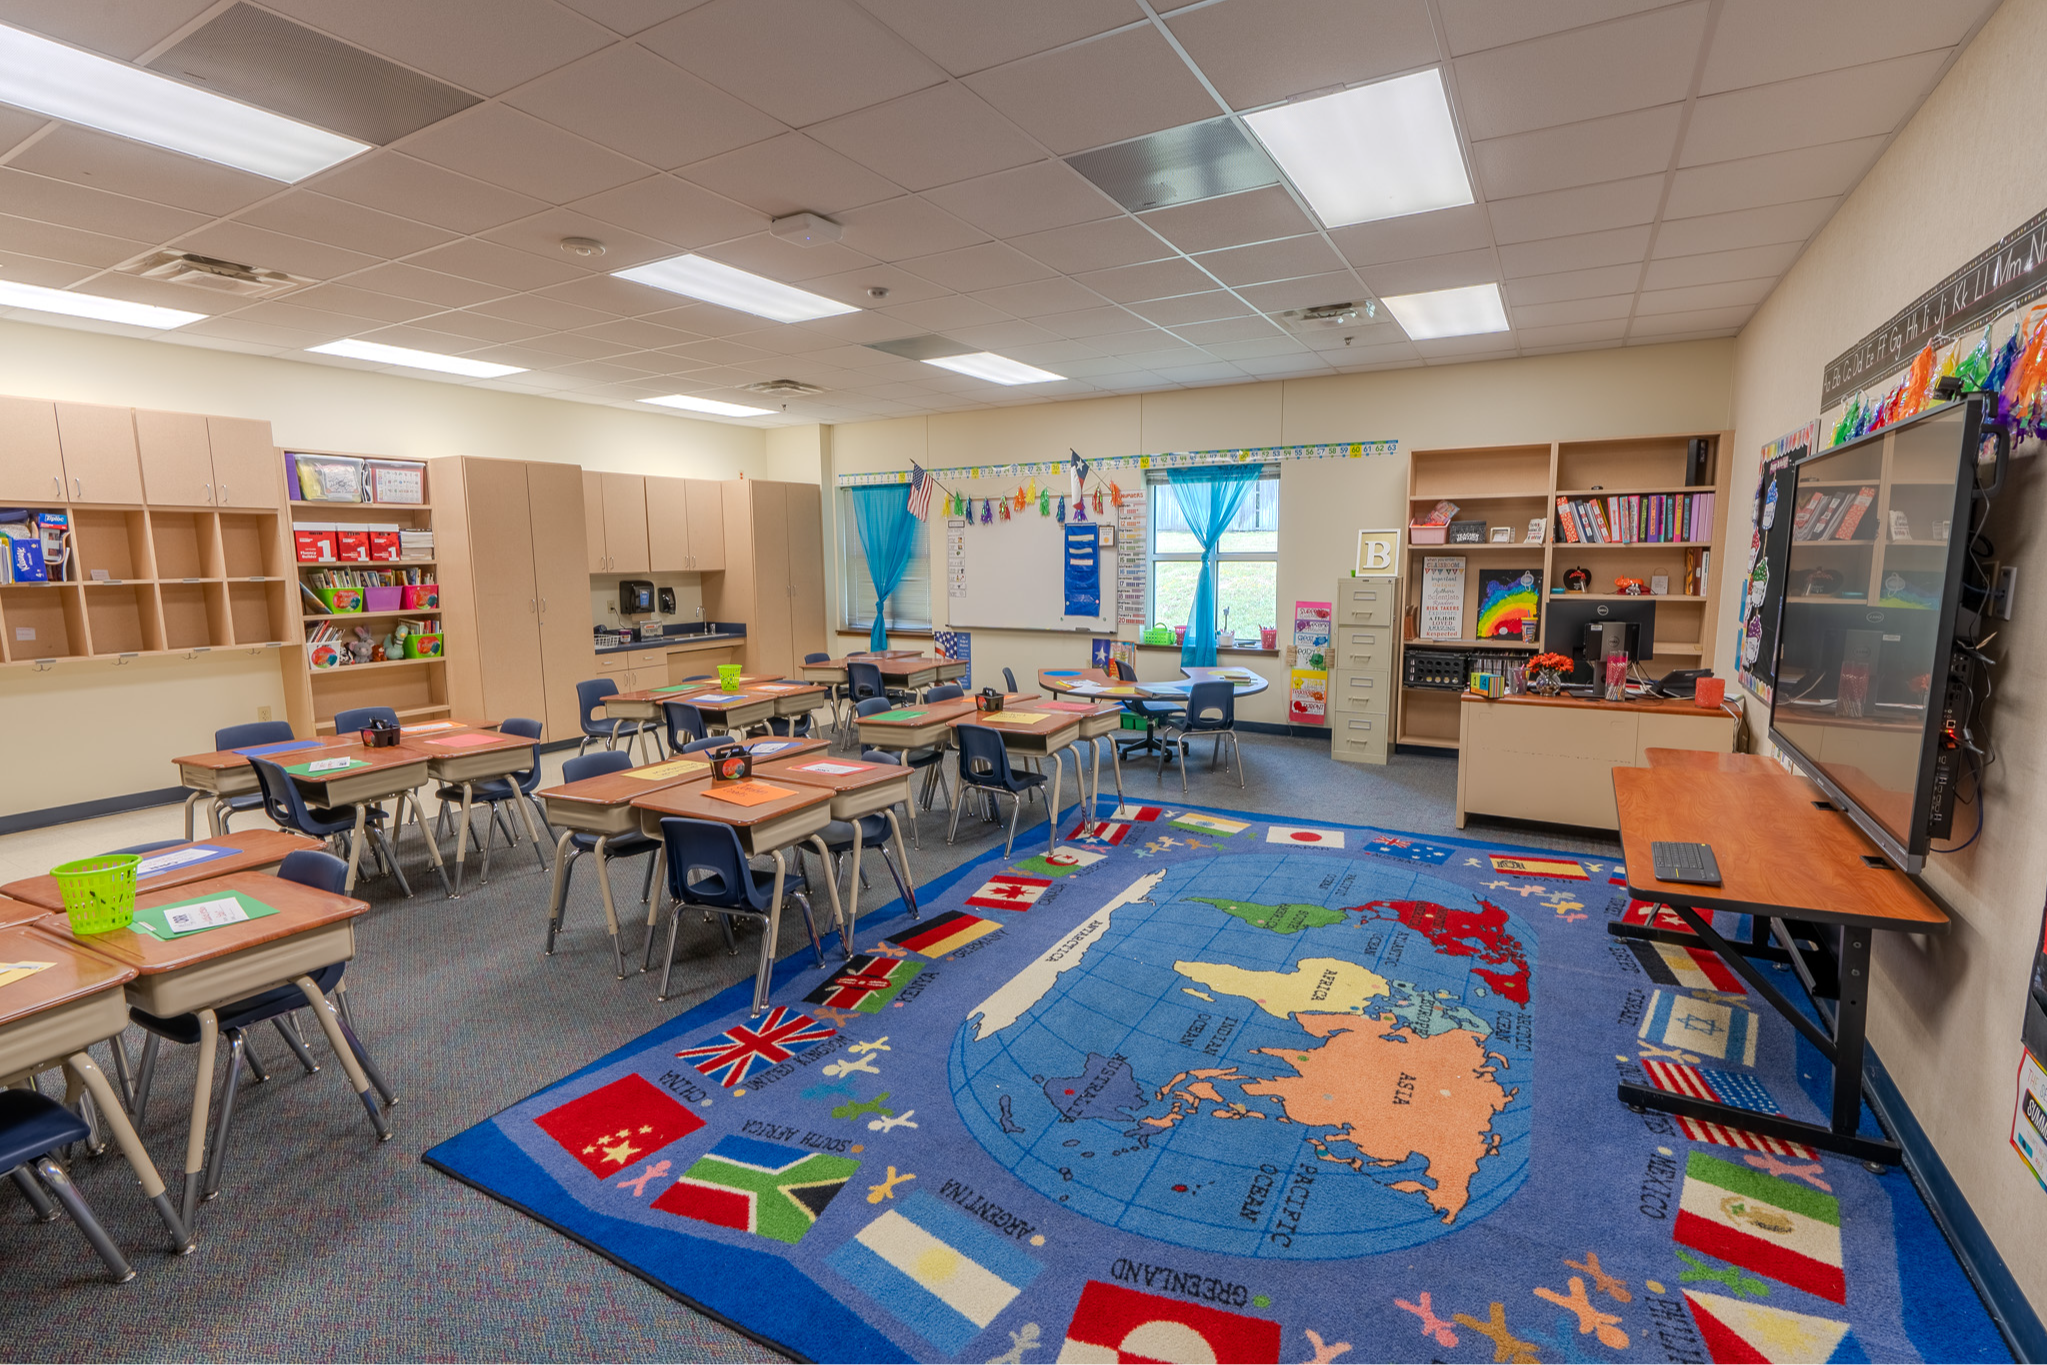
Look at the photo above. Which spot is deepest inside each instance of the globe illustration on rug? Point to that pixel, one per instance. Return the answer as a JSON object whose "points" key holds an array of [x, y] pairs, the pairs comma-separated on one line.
{"points": [[1291, 1055]]}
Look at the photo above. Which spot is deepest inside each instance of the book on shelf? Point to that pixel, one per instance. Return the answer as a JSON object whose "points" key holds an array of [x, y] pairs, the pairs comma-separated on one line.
{"points": [[1636, 519], [1852, 517]]}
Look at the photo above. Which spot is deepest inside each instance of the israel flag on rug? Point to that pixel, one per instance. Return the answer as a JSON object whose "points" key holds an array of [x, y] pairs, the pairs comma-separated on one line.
{"points": [[1722, 1031]]}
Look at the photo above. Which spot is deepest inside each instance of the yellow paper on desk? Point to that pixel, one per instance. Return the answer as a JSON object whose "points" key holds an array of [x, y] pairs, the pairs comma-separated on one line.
{"points": [[674, 767], [11, 972], [1019, 717]]}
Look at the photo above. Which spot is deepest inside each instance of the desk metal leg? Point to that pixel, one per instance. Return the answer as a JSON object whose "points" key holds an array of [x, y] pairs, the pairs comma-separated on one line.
{"points": [[851, 924], [330, 1024], [909, 883], [773, 930], [355, 842], [1052, 821], [610, 911], [195, 796], [462, 835], [202, 1102], [831, 884], [558, 892], [83, 1072], [426, 832], [525, 809], [657, 883]]}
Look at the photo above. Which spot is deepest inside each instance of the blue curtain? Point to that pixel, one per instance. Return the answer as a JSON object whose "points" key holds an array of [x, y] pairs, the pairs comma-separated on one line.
{"points": [[888, 533], [1209, 497]]}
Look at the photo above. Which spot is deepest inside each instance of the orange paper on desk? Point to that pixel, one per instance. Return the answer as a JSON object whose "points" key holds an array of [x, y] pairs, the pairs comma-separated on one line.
{"points": [[1019, 717], [466, 741], [749, 793]]}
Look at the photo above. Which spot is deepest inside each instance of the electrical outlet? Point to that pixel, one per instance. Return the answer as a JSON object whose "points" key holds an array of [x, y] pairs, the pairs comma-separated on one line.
{"points": [[262, 713], [2004, 586]]}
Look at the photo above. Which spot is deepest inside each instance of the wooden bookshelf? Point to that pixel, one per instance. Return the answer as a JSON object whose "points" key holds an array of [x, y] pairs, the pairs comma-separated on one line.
{"points": [[1514, 485]]}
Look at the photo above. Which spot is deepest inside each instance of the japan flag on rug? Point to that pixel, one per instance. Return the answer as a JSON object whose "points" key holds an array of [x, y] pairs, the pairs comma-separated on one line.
{"points": [[1010, 892], [1306, 838]]}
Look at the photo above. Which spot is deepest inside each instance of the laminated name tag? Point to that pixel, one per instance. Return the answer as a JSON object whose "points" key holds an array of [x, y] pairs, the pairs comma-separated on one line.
{"points": [[184, 919], [328, 765]]}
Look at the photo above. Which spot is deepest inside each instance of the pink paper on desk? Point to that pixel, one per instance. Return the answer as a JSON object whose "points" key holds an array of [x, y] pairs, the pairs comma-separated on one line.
{"points": [[466, 741]]}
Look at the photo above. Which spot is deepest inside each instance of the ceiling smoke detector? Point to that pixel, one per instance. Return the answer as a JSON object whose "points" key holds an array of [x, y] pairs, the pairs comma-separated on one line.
{"points": [[207, 272], [582, 246], [1323, 317], [785, 388]]}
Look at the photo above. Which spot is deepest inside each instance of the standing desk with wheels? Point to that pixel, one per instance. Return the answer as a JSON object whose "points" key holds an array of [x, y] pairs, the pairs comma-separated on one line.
{"points": [[51, 1017], [1097, 720], [870, 789], [1041, 740], [464, 757], [398, 770], [1816, 891], [200, 972], [258, 850], [764, 831]]}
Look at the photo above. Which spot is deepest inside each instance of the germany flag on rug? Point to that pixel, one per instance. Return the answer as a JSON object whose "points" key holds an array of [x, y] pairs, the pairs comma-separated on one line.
{"points": [[946, 934]]}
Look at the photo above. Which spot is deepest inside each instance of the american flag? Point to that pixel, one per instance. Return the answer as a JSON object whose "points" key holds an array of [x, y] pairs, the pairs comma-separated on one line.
{"points": [[921, 485], [743, 1049], [1730, 1088]]}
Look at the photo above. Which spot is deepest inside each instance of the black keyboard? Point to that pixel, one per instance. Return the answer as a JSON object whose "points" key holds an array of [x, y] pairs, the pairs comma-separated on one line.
{"points": [[1685, 863]]}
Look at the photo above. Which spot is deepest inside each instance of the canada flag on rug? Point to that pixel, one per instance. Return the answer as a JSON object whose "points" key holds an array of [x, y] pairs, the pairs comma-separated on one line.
{"points": [[1779, 1228], [1304, 838], [1111, 1323], [1101, 831], [1137, 812], [1728, 1088], [743, 1049], [1009, 892], [1696, 969], [612, 1124], [867, 983], [1751, 1332]]}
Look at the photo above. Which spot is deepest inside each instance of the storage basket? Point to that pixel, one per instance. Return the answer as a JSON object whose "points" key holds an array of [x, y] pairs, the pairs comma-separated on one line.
{"points": [[423, 646], [340, 601], [728, 677], [383, 598], [419, 595], [99, 893]]}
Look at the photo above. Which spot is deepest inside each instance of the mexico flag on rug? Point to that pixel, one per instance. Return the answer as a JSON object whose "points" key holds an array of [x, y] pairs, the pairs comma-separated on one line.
{"points": [[1009, 892], [1301, 837], [1111, 1323], [1779, 1228], [611, 1125]]}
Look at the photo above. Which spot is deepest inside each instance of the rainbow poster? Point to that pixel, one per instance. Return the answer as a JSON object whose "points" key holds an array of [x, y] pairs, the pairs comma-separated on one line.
{"points": [[1508, 597]]}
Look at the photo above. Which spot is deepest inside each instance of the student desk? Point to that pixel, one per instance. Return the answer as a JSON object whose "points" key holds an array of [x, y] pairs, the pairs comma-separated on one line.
{"points": [[1037, 741], [1099, 719], [52, 1017], [1810, 882], [465, 757], [775, 747], [226, 772], [259, 850], [645, 704], [899, 668], [198, 973], [765, 829], [735, 712], [871, 789], [398, 770], [923, 725], [13, 912]]}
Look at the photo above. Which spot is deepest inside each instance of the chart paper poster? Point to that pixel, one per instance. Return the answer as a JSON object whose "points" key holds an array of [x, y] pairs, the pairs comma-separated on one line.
{"points": [[1083, 571], [1307, 693], [1307, 696], [1132, 607], [956, 558], [1442, 607], [956, 644], [2029, 1118]]}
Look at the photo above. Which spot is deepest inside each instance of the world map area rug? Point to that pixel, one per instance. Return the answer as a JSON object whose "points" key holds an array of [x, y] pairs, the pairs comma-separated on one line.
{"points": [[1206, 1086]]}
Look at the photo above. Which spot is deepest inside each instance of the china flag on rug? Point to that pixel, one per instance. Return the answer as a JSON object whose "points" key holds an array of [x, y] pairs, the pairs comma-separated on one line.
{"points": [[1728, 1088], [1009, 892], [1111, 1323], [1780, 1228], [611, 1125], [1304, 838]]}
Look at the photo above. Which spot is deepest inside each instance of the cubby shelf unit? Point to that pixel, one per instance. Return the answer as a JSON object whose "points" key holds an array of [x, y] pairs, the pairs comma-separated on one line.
{"points": [[1515, 485]]}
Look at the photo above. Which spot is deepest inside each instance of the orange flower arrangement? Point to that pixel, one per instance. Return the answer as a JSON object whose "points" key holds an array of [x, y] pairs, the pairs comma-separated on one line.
{"points": [[1550, 663]]}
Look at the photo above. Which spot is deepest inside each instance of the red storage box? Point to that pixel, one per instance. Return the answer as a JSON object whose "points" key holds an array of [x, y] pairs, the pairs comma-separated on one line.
{"points": [[315, 544], [384, 543], [352, 546], [418, 595]]}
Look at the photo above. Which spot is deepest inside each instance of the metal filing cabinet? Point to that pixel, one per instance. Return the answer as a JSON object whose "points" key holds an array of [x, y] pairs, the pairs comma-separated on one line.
{"points": [[1361, 680]]}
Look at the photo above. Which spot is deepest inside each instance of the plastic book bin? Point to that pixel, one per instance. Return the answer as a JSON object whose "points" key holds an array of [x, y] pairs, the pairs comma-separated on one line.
{"points": [[417, 595], [423, 646], [99, 893], [383, 599], [340, 601]]}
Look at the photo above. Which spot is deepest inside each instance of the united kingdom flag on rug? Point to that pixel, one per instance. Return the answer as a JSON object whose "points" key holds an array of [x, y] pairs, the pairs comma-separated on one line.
{"points": [[1009, 892], [1728, 1088], [743, 1049]]}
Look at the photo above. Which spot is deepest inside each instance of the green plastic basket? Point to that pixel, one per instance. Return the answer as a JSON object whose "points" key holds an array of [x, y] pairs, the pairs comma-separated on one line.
{"points": [[728, 677], [99, 893]]}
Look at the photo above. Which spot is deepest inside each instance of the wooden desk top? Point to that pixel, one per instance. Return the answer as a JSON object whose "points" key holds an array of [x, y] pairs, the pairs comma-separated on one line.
{"points": [[802, 746], [803, 770], [682, 691], [690, 802], [256, 848], [437, 746], [13, 912], [1061, 722], [619, 788], [393, 756], [299, 908], [733, 700], [1058, 706], [1779, 853], [1708, 760], [896, 663], [222, 759], [75, 973], [935, 712], [1673, 705]]}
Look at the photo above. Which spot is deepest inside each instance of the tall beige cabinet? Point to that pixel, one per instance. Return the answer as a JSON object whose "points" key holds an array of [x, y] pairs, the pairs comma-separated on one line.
{"points": [[515, 589], [774, 571]]}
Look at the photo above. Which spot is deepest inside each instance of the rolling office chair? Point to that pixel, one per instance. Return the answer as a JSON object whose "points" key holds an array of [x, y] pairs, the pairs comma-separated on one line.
{"points": [[288, 810], [1211, 710], [276, 1006], [356, 718], [574, 844], [1153, 713], [590, 695], [708, 870], [32, 1128], [495, 792], [248, 736], [984, 767]]}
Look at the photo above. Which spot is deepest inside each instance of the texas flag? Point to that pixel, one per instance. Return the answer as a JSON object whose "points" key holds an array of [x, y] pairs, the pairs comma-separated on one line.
{"points": [[1306, 838], [1137, 812], [1114, 1324], [606, 1128], [1010, 892]]}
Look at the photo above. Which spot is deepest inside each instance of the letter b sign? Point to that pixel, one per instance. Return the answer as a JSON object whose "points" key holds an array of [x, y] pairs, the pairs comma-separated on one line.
{"points": [[1376, 551]]}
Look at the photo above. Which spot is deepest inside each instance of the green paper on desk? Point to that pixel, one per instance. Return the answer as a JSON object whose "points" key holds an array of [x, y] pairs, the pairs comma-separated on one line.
{"points": [[157, 920], [895, 715], [685, 687], [306, 769]]}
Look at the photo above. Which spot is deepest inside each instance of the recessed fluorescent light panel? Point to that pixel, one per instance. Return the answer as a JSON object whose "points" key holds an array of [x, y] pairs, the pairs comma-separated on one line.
{"points": [[416, 360], [710, 405], [700, 277], [13, 295], [998, 369], [1469, 311], [1377, 151], [80, 87]]}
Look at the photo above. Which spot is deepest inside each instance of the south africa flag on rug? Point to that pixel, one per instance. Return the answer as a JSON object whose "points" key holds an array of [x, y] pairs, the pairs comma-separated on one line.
{"points": [[760, 1187], [867, 984]]}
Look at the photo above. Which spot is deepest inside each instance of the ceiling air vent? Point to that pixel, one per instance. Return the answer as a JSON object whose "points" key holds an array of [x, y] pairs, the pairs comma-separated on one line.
{"points": [[783, 388], [1324, 317], [206, 272]]}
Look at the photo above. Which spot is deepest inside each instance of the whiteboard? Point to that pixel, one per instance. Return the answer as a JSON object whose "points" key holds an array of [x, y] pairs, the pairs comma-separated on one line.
{"points": [[1011, 576]]}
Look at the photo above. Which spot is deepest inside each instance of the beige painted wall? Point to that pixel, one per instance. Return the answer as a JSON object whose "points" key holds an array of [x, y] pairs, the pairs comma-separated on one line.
{"points": [[1323, 503], [1945, 1011]]}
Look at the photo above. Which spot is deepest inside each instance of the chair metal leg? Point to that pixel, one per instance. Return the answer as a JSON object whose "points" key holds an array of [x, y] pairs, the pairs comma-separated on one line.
{"points": [[802, 899], [390, 859], [330, 1024], [362, 1054], [294, 1042], [121, 1074], [954, 829], [558, 905], [45, 1211], [1237, 748], [74, 1204], [773, 935], [647, 883], [522, 804], [1015, 812], [145, 1075], [255, 1063], [236, 1047], [668, 959]]}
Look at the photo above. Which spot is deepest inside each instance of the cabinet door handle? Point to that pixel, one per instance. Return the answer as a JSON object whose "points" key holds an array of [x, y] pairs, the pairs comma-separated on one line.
{"points": [[79, 484], [58, 479], [223, 495], [209, 494], [532, 605], [543, 606]]}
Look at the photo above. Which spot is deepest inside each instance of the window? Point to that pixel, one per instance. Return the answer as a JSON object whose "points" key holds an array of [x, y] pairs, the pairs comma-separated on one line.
{"points": [[909, 606], [1247, 571]]}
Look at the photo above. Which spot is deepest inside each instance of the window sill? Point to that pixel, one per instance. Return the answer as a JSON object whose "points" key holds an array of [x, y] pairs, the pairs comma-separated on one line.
{"points": [[862, 635], [1175, 649]]}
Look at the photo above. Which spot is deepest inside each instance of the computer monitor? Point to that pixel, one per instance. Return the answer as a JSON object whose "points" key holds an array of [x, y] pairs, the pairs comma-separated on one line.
{"points": [[1571, 617]]}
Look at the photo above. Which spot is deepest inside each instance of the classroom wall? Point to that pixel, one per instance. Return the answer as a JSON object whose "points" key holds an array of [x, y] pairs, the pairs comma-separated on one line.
{"points": [[1323, 503], [1945, 1011]]}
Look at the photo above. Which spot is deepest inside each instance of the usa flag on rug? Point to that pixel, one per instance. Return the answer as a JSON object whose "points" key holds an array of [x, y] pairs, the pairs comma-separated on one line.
{"points": [[1728, 1088], [743, 1049]]}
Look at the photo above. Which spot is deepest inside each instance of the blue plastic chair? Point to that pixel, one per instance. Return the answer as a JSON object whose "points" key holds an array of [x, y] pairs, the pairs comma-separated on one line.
{"points": [[287, 808], [32, 1128], [835, 693], [984, 767], [932, 761], [278, 1007], [1211, 710], [874, 831], [358, 718], [685, 724], [697, 746], [707, 869], [239, 737], [606, 848], [590, 695], [498, 791]]}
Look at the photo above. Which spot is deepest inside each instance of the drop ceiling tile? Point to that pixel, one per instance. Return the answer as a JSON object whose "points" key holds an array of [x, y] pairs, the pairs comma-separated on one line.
{"points": [[574, 345], [399, 185], [542, 234], [280, 313], [1748, 227], [16, 125], [1287, 259], [1462, 350], [1000, 336], [1273, 345], [1333, 340], [422, 336], [1716, 267], [1418, 234], [1089, 322], [1570, 333], [790, 174], [505, 147], [791, 262], [337, 222], [951, 310], [1153, 280], [703, 319], [161, 294], [1318, 44], [1862, 101], [119, 166], [987, 266], [490, 263], [261, 333], [1581, 252], [1587, 208], [487, 46], [1159, 361], [633, 102], [43, 271], [1574, 284], [1285, 366], [1207, 306], [670, 210], [971, 38], [800, 60], [1148, 341], [933, 137], [851, 286], [1034, 198], [602, 370], [1758, 41], [1630, 63], [1058, 353], [115, 28], [411, 282], [1426, 273], [1040, 298], [481, 327], [1706, 320], [1641, 142], [595, 298], [785, 341], [526, 357], [1473, 25], [1806, 173], [1338, 286], [1211, 372], [631, 16], [1572, 310], [1106, 90], [852, 332], [1238, 329], [898, 229], [1093, 246], [1097, 368], [1259, 215], [363, 303], [256, 246], [72, 205], [1694, 298]]}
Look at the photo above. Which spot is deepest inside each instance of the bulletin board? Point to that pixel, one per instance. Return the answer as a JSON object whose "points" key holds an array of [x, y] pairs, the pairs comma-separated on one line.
{"points": [[1010, 575]]}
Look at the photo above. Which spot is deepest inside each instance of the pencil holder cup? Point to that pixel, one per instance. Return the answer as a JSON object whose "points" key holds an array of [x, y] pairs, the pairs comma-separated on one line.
{"points": [[99, 893]]}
